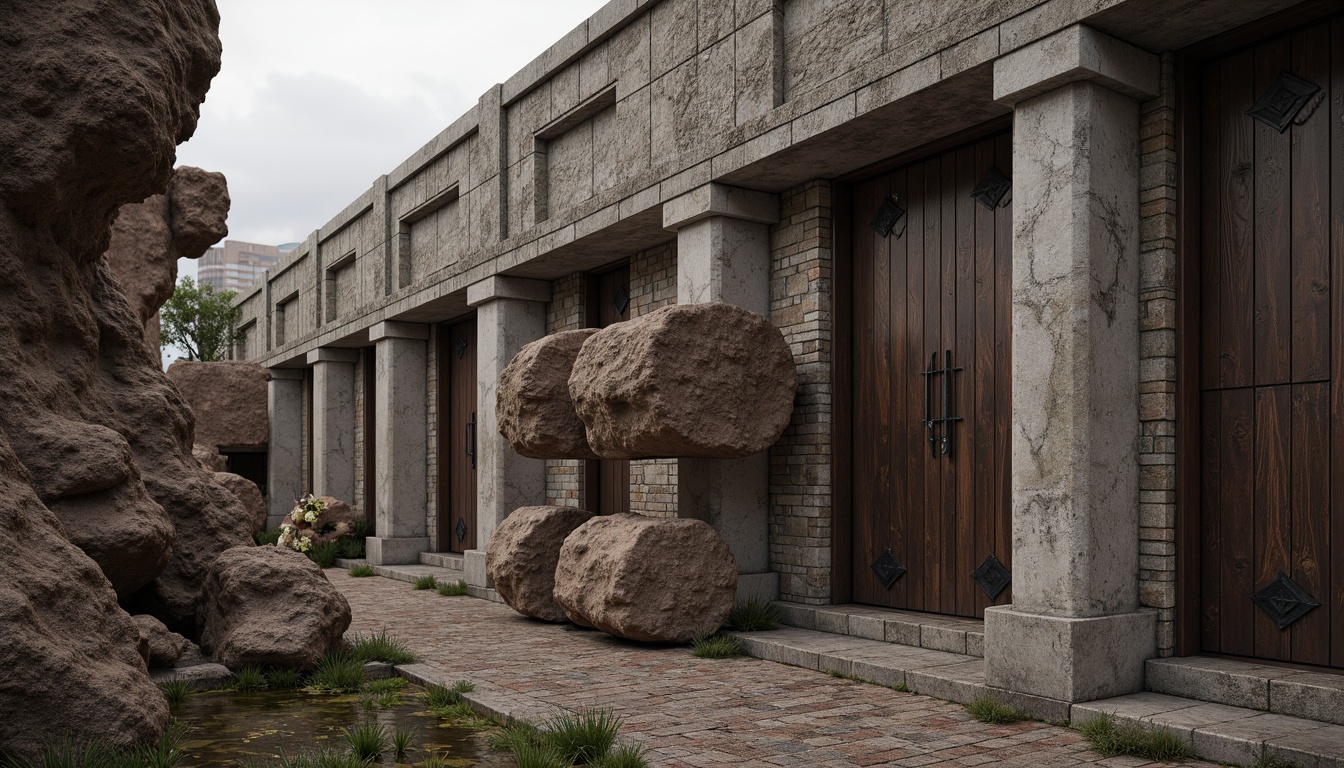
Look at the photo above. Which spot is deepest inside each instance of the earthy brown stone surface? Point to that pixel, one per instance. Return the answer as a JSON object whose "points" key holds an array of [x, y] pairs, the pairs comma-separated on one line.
{"points": [[248, 495], [533, 405], [645, 578], [228, 400], [150, 236], [270, 606], [522, 555], [165, 647], [210, 458], [698, 380]]}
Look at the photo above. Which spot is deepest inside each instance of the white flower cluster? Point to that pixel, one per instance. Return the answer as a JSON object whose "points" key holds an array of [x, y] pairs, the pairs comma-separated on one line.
{"points": [[306, 513]]}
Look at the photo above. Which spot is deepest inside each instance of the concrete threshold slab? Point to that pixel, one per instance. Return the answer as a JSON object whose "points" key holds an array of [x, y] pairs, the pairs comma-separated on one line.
{"points": [[1276, 690], [921, 630], [449, 560], [955, 677], [1226, 734], [410, 573]]}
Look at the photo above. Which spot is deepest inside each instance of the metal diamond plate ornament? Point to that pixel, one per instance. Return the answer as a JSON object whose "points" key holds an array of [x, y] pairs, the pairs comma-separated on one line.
{"points": [[889, 219], [888, 568], [461, 347], [1284, 601], [992, 576], [621, 300], [1286, 96], [461, 530], [993, 188]]}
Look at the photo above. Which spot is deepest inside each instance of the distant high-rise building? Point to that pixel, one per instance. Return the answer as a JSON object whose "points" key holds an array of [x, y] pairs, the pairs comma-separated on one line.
{"points": [[235, 265]]}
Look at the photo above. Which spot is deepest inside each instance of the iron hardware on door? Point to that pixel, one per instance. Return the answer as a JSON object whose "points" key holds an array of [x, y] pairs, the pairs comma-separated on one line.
{"points": [[471, 439], [939, 427]]}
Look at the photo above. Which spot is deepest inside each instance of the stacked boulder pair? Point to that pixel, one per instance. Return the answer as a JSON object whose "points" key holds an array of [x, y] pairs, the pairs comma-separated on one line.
{"points": [[708, 381]]}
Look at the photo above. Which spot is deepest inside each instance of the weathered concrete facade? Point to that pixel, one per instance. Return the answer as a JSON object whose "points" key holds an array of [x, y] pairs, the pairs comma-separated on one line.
{"points": [[712, 147]]}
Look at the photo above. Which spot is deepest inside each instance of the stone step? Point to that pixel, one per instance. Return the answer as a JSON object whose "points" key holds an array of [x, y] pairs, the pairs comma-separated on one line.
{"points": [[1227, 734], [1278, 690], [956, 677], [413, 572], [920, 630], [449, 560]]}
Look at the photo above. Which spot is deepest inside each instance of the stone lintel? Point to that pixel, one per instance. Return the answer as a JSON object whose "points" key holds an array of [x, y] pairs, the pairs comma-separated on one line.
{"points": [[333, 355], [287, 373], [716, 199], [1073, 54], [389, 329], [504, 287]]}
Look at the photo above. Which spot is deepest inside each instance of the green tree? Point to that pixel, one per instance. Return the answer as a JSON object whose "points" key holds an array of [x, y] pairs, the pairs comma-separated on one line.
{"points": [[200, 320]]}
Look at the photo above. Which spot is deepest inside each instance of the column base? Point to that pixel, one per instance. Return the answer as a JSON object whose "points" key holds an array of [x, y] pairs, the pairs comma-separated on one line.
{"points": [[380, 550], [1065, 658], [473, 563], [761, 587]]}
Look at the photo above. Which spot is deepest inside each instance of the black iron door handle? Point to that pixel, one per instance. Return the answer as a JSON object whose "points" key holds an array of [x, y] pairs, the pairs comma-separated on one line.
{"points": [[471, 439], [940, 427]]}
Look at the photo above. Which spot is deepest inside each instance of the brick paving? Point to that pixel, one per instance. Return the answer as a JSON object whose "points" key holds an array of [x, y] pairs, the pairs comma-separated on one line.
{"points": [[699, 712]]}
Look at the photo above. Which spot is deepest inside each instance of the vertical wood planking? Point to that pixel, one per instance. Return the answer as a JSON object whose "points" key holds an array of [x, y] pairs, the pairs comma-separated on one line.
{"points": [[1273, 276], [962, 464], [1003, 340], [1210, 262], [1236, 508], [883, 533], [1210, 521], [1334, 109], [1310, 214], [933, 288], [903, 528], [1311, 517], [917, 451], [862, 340], [981, 411], [1236, 359], [1273, 507], [951, 506]]}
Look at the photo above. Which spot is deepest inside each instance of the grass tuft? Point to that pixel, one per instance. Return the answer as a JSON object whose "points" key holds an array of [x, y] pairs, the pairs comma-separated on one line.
{"points": [[624, 756], [716, 647], [338, 673], [248, 679], [362, 570], [324, 554], [350, 547], [754, 616], [1266, 760], [433, 760], [514, 736], [539, 755], [175, 691], [987, 710], [426, 582], [450, 589], [584, 736], [283, 677], [1111, 738], [68, 753], [380, 647], [902, 687], [401, 742], [366, 741]]}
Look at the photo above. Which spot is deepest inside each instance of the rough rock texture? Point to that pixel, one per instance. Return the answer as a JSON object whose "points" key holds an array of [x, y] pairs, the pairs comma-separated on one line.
{"points": [[150, 236], [270, 606], [210, 458], [645, 578], [533, 406], [522, 555], [249, 496], [164, 646], [338, 519], [229, 401], [94, 96], [698, 380]]}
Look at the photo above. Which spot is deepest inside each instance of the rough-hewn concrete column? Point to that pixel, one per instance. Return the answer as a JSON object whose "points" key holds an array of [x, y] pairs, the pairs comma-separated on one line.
{"points": [[284, 454], [1074, 631], [510, 312], [334, 422], [400, 413], [723, 254]]}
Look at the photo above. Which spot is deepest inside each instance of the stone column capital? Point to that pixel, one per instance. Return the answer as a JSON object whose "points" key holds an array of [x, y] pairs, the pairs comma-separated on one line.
{"points": [[716, 199], [1073, 54], [389, 329], [504, 287], [286, 373], [333, 355]]}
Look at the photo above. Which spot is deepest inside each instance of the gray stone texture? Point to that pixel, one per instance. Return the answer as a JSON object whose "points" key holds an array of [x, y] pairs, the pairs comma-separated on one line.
{"points": [[400, 408], [284, 482], [333, 422]]}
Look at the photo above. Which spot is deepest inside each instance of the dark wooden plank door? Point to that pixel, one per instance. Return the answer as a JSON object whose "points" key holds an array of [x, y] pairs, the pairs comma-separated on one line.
{"points": [[1271, 236], [939, 283], [607, 482], [456, 352]]}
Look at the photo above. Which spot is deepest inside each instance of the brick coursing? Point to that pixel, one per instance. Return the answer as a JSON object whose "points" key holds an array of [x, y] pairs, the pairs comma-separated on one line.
{"points": [[800, 463], [565, 312], [432, 438], [1157, 359], [359, 502], [653, 285]]}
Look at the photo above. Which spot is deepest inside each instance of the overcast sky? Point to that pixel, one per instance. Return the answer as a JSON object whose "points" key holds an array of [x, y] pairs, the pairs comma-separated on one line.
{"points": [[317, 98]]}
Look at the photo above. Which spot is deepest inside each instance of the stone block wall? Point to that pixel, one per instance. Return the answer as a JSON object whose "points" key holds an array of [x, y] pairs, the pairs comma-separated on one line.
{"points": [[800, 463], [1157, 363], [565, 312], [653, 285]]}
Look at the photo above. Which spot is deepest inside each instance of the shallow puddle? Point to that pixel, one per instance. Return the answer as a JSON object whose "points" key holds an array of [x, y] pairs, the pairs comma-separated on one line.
{"points": [[234, 728]]}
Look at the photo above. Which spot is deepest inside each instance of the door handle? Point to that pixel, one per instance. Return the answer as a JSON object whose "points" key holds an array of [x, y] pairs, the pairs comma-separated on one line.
{"points": [[940, 427], [471, 439]]}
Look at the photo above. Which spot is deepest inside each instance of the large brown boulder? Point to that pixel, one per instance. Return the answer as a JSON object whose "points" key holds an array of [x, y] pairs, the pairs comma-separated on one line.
{"points": [[532, 403], [228, 400], [522, 555], [645, 578], [697, 380], [210, 458], [150, 236], [249, 496], [270, 606], [163, 647]]}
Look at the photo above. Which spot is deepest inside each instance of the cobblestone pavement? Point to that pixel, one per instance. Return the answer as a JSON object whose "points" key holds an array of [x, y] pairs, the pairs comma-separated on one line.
{"points": [[699, 712]]}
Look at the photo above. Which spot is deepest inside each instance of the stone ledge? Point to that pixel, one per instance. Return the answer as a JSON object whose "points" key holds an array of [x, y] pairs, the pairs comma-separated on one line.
{"points": [[1278, 690], [921, 630], [409, 573], [1225, 734]]}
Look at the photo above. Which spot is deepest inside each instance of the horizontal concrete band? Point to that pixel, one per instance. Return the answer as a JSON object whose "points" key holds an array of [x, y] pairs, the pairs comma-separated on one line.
{"points": [[503, 287], [1073, 54]]}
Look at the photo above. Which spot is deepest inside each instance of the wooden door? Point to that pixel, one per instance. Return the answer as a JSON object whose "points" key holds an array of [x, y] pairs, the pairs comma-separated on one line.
{"points": [[935, 289], [1271, 509], [607, 482], [456, 351]]}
